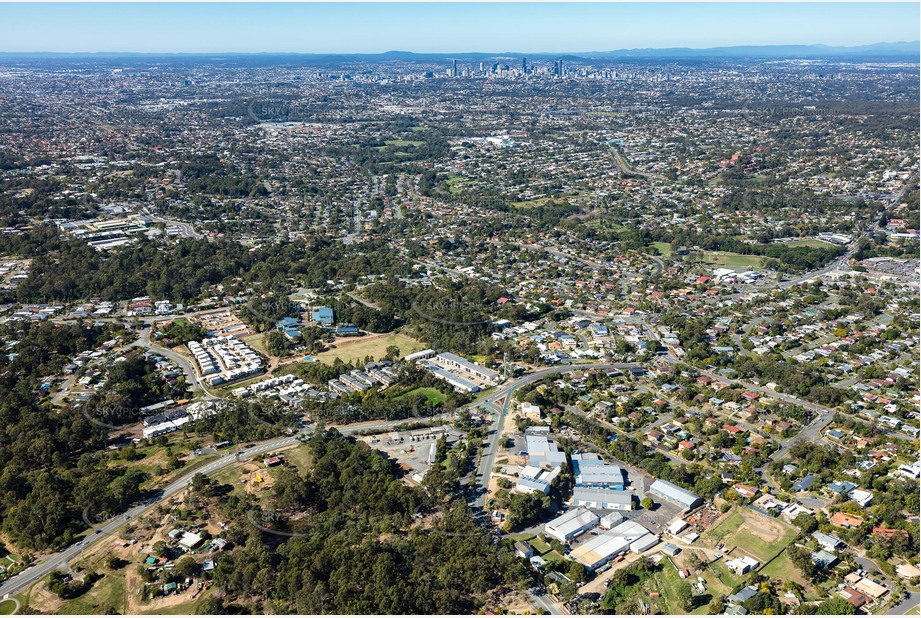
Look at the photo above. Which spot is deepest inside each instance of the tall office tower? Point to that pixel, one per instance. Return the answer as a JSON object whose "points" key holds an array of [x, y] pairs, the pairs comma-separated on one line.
{"points": [[455, 68], [524, 66], [481, 67]]}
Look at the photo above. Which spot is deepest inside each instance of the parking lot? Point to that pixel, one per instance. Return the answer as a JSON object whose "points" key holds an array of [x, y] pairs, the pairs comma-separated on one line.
{"points": [[658, 519], [411, 447]]}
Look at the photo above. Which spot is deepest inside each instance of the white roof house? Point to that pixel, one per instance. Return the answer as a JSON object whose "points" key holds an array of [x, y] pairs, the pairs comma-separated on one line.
{"points": [[190, 540], [742, 564], [861, 496]]}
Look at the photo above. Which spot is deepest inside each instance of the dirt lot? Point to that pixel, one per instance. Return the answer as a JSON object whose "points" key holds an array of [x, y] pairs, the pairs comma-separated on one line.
{"points": [[754, 533], [515, 603]]}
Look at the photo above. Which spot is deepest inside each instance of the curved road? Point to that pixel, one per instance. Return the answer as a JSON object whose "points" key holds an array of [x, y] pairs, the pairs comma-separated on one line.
{"points": [[193, 379], [906, 605], [504, 394], [60, 559]]}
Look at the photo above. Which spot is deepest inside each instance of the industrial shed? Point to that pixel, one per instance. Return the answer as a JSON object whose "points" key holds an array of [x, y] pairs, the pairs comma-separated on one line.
{"points": [[627, 536], [571, 524], [674, 494], [599, 498]]}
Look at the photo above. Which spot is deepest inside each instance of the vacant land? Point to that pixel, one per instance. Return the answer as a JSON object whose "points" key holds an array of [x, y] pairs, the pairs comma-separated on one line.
{"points": [[731, 260], [106, 596], [759, 535], [299, 456], [403, 142], [355, 349], [257, 342], [666, 583], [432, 394], [665, 248], [725, 527], [782, 567]]}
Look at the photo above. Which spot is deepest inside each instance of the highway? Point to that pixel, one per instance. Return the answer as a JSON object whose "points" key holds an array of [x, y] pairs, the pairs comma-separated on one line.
{"points": [[101, 532]]}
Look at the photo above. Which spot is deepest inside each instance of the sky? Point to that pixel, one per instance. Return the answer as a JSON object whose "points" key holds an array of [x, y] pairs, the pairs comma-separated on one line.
{"points": [[443, 27]]}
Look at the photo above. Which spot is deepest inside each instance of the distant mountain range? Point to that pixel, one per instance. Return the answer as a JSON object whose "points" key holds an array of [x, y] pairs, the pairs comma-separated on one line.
{"points": [[903, 50]]}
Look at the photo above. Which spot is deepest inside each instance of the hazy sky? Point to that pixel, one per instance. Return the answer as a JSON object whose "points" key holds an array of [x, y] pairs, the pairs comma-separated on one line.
{"points": [[434, 27]]}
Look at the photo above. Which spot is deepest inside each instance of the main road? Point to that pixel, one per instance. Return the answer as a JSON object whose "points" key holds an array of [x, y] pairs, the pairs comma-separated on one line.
{"points": [[102, 531], [501, 401], [842, 260]]}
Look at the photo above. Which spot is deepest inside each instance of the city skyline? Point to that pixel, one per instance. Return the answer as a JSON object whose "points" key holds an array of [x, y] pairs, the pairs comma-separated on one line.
{"points": [[444, 27]]}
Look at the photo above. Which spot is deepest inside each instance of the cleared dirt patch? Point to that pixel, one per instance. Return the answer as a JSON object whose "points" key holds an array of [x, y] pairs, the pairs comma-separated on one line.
{"points": [[758, 535]]}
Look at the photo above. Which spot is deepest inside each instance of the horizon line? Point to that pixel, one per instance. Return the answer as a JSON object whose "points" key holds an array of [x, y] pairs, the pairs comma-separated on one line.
{"points": [[448, 53]]}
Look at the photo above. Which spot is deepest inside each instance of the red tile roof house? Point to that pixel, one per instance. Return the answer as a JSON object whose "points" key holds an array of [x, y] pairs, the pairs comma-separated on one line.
{"points": [[855, 598], [745, 490], [732, 429], [782, 425], [888, 533], [845, 520]]}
